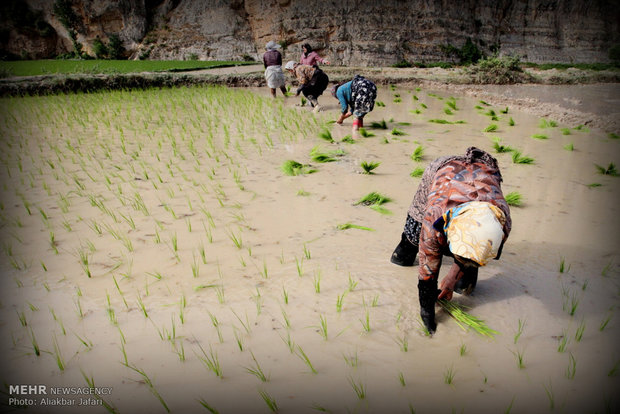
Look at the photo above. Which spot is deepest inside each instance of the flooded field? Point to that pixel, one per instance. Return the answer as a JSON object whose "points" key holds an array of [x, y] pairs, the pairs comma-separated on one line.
{"points": [[154, 246]]}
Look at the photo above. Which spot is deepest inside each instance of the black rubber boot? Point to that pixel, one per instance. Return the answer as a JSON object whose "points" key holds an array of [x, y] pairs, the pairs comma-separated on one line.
{"points": [[427, 293], [405, 252], [467, 284]]}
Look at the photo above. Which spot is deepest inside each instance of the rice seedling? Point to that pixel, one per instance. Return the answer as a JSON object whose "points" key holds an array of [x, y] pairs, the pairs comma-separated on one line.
{"points": [[238, 339], [563, 341], [352, 359], [379, 103], [604, 323], [462, 350], [504, 111], [269, 400], [594, 185], [491, 128], [347, 226], [423, 105], [352, 284], [369, 166], [418, 153], [401, 378], [397, 132], [88, 344], [448, 375], [301, 354], [511, 122], [285, 295], [208, 407], [514, 199], [58, 356], [417, 172], [563, 268], [365, 133], [322, 327], [403, 343], [299, 266], [517, 158], [216, 325], [519, 330], [569, 147], [91, 384], [359, 388], [565, 131], [540, 136], [84, 261], [339, 301], [366, 322], [614, 370], [303, 101], [293, 168], [326, 135], [571, 370], [211, 360], [609, 170], [317, 281], [150, 385], [246, 325], [256, 370], [582, 128], [549, 392], [379, 125], [372, 198], [237, 240], [519, 355]]}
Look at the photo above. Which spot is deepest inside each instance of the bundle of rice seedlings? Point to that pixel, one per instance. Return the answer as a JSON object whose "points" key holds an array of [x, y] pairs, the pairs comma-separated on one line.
{"points": [[348, 139], [418, 153], [491, 128], [369, 166], [326, 135], [379, 103], [380, 125], [465, 320], [610, 170], [517, 158], [292, 167], [499, 147], [373, 198], [365, 133], [514, 199], [317, 155], [397, 132], [347, 226], [418, 172]]}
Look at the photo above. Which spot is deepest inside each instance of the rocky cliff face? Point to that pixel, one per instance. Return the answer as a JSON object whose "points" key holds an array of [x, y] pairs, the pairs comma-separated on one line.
{"points": [[350, 32]]}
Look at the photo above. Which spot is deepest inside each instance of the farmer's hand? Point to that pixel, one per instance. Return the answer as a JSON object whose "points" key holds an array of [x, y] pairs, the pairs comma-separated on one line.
{"points": [[448, 282]]}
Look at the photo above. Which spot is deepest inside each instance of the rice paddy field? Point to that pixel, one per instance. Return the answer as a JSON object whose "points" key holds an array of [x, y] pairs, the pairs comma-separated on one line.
{"points": [[208, 249]]}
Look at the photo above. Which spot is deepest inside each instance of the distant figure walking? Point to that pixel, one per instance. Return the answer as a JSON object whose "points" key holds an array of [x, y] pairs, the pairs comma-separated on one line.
{"points": [[272, 59], [310, 57], [357, 98], [312, 81]]}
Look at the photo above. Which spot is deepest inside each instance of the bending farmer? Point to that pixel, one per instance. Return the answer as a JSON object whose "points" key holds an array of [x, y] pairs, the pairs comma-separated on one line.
{"points": [[357, 98], [459, 211], [312, 81]]}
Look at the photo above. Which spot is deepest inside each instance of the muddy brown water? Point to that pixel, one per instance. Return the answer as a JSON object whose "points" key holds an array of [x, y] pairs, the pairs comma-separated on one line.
{"points": [[289, 244]]}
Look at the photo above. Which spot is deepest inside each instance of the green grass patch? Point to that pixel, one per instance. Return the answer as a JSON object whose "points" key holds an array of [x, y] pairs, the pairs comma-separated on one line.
{"points": [[66, 67]]}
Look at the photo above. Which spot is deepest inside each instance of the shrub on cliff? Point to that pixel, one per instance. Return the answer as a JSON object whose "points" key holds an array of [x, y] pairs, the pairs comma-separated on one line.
{"points": [[498, 70]]}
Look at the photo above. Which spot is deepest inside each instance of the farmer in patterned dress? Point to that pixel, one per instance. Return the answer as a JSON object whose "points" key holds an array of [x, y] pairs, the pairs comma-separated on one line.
{"points": [[459, 210], [312, 81], [357, 98], [272, 59]]}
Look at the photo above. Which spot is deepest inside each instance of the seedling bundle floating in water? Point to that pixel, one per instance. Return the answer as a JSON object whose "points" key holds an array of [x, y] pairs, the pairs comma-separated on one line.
{"points": [[465, 320]]}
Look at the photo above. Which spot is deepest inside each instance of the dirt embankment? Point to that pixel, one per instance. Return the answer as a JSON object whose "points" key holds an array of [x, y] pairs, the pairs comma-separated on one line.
{"points": [[456, 80]]}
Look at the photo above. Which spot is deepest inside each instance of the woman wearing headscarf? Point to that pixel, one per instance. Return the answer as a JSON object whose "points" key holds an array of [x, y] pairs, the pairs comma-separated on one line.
{"points": [[272, 59], [459, 210], [310, 57], [312, 81], [357, 98]]}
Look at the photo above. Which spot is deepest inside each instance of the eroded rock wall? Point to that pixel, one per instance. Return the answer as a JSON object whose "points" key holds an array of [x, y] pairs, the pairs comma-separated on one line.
{"points": [[350, 32]]}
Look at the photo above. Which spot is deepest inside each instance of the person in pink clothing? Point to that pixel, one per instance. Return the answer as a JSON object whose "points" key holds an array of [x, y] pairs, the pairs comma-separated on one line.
{"points": [[310, 57]]}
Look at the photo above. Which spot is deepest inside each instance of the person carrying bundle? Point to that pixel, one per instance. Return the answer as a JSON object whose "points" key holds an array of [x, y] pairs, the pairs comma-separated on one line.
{"points": [[459, 210]]}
